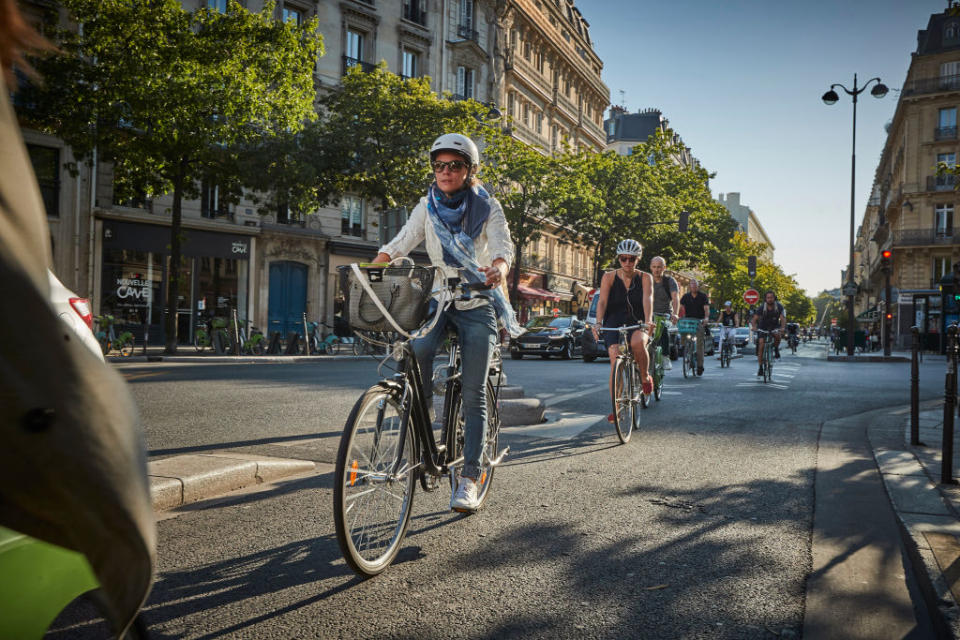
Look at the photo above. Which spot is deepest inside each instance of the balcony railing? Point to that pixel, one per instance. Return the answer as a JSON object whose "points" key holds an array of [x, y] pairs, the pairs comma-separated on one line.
{"points": [[945, 133], [920, 237], [353, 62], [415, 14], [467, 32], [941, 183], [932, 85]]}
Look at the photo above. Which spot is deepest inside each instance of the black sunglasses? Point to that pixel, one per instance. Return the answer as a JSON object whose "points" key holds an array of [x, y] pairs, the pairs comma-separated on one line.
{"points": [[628, 258], [453, 165]]}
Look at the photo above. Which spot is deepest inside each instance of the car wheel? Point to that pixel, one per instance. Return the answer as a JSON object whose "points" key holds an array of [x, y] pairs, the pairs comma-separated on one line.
{"points": [[567, 352], [589, 358]]}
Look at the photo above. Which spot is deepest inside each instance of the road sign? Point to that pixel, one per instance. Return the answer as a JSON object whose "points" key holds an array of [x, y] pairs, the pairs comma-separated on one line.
{"points": [[849, 289], [751, 296], [833, 322]]}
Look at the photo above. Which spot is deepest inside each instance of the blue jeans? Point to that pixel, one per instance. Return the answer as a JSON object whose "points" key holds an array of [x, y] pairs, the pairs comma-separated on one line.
{"points": [[477, 332]]}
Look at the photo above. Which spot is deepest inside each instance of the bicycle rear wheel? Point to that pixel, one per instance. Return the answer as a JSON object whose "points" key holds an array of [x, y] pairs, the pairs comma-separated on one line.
{"points": [[127, 348], [490, 449], [624, 408], [658, 373], [767, 365], [371, 503]]}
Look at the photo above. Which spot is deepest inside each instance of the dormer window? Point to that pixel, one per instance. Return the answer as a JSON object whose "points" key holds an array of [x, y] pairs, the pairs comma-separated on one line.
{"points": [[951, 33]]}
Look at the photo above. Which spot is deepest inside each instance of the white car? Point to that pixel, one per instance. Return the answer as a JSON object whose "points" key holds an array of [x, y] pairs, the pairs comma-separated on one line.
{"points": [[75, 313]]}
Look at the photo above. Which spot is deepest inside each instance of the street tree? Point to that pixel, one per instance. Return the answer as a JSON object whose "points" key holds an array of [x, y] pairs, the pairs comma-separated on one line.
{"points": [[168, 96], [371, 140]]}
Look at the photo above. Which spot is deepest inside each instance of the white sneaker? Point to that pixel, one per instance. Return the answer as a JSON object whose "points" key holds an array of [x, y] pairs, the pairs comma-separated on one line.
{"points": [[465, 499], [667, 365]]}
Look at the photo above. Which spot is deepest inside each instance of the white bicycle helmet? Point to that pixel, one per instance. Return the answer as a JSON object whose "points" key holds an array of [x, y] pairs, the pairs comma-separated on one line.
{"points": [[728, 304], [629, 247], [458, 143]]}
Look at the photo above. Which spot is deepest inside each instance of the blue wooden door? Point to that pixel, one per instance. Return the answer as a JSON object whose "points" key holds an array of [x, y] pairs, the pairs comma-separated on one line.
{"points": [[288, 297]]}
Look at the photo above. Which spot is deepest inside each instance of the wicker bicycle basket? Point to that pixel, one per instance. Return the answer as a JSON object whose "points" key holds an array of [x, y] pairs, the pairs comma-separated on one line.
{"points": [[403, 290], [688, 325]]}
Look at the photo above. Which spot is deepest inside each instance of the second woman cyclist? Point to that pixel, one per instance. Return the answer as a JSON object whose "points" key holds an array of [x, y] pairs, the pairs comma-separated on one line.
{"points": [[464, 228], [626, 298]]}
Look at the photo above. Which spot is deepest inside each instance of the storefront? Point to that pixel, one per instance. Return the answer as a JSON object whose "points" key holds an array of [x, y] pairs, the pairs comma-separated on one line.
{"points": [[533, 298], [922, 308], [135, 263]]}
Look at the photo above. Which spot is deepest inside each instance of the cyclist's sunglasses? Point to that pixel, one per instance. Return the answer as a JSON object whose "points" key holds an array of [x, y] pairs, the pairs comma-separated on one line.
{"points": [[454, 166], [628, 258]]}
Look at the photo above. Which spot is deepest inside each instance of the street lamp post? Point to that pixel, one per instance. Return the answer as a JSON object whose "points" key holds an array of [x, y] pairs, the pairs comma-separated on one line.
{"points": [[830, 97]]}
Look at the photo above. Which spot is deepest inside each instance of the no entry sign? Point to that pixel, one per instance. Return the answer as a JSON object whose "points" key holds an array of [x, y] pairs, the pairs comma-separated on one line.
{"points": [[751, 296]]}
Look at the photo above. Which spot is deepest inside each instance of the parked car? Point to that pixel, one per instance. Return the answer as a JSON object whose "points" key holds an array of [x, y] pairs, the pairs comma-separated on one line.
{"points": [[75, 313], [547, 336]]}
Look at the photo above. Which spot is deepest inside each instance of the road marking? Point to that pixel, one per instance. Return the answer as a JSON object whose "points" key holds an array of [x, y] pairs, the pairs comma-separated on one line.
{"points": [[560, 425], [671, 393], [137, 376], [551, 399], [760, 383]]}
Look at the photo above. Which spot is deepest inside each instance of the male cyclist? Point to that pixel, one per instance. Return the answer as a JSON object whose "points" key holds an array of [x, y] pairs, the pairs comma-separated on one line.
{"points": [[697, 305], [770, 316], [666, 299], [793, 335], [728, 325]]}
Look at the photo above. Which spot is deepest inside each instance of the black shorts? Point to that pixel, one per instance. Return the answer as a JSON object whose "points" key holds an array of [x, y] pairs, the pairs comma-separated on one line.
{"points": [[611, 338]]}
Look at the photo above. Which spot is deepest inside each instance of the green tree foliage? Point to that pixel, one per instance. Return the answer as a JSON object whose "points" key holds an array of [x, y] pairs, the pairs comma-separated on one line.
{"points": [[371, 140], [168, 95]]}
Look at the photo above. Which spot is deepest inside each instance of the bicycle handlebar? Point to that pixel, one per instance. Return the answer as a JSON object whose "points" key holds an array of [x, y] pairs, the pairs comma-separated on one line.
{"points": [[641, 327]]}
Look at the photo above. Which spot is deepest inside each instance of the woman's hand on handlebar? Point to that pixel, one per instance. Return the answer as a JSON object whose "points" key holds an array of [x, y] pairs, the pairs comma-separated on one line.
{"points": [[495, 274], [382, 258]]}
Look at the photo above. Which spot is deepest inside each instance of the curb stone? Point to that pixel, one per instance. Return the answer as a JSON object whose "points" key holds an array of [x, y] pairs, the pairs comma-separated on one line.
{"points": [[182, 480]]}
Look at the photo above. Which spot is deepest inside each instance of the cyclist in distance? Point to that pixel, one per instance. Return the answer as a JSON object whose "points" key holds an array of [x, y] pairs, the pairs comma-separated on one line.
{"points": [[770, 316], [466, 236], [696, 305], [666, 299], [626, 298], [728, 324]]}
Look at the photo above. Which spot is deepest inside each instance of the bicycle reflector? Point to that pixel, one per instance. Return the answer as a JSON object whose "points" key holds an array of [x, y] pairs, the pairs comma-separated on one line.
{"points": [[353, 473], [82, 307]]}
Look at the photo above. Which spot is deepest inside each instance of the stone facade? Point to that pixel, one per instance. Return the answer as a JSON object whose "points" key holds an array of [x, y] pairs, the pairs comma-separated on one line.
{"points": [[911, 209]]}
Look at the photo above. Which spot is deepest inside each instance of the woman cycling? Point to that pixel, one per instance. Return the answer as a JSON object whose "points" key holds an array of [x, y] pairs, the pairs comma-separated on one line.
{"points": [[466, 236], [626, 298]]}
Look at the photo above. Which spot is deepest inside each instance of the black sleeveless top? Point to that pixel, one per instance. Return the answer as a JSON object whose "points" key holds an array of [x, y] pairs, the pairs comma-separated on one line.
{"points": [[623, 306], [727, 319]]}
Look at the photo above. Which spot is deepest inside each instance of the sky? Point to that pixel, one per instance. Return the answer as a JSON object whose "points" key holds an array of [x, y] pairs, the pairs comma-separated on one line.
{"points": [[740, 81]]}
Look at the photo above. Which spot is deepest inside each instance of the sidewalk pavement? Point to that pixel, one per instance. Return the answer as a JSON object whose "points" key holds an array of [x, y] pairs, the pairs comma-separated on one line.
{"points": [[928, 512]]}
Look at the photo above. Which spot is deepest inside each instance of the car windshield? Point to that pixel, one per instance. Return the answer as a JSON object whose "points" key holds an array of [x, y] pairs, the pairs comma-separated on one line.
{"points": [[549, 321], [593, 306]]}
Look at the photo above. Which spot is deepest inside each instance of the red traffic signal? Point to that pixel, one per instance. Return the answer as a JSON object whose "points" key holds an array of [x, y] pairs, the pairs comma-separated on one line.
{"points": [[886, 254], [889, 316]]}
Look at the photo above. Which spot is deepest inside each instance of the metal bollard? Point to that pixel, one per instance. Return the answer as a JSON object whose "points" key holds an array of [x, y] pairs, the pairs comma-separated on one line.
{"points": [[949, 400], [306, 336], [915, 388], [236, 333]]}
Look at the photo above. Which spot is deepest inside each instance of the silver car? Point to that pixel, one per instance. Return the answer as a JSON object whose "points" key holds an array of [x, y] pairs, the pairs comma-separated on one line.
{"points": [[75, 313]]}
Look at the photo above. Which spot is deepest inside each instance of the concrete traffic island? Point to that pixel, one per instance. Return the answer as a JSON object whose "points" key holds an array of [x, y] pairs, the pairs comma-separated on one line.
{"points": [[182, 480]]}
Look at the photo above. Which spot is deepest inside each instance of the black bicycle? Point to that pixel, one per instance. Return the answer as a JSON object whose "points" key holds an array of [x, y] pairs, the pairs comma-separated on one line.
{"points": [[388, 444]]}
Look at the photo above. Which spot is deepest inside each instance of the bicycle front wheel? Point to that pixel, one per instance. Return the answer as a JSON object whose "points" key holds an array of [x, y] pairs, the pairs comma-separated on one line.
{"points": [[127, 348], [622, 397], [688, 353], [374, 482]]}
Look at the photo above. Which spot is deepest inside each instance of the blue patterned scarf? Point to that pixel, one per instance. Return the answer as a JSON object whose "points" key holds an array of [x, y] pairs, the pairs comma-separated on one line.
{"points": [[457, 222]]}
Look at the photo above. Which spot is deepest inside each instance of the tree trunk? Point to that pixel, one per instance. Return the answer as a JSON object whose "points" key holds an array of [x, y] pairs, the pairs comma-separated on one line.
{"points": [[173, 277]]}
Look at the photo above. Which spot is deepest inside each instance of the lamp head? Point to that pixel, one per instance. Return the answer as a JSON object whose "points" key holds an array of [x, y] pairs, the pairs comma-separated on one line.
{"points": [[830, 97], [493, 113], [879, 90]]}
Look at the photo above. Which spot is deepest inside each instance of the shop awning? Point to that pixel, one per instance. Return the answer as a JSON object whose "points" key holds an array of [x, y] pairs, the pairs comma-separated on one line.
{"points": [[534, 292], [562, 295]]}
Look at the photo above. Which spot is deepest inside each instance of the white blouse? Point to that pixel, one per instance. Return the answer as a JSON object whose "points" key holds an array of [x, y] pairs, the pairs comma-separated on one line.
{"points": [[493, 242]]}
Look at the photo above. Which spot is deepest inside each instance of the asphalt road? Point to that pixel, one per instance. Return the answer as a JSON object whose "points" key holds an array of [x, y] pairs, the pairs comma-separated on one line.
{"points": [[699, 527]]}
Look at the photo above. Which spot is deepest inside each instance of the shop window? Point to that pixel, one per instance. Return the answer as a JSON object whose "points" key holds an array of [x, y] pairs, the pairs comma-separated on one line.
{"points": [[286, 215], [942, 265], [46, 166], [220, 6], [351, 216]]}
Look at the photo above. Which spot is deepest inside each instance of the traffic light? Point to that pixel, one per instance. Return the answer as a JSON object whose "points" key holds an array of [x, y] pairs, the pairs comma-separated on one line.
{"points": [[889, 315], [684, 221], [752, 265], [886, 257]]}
